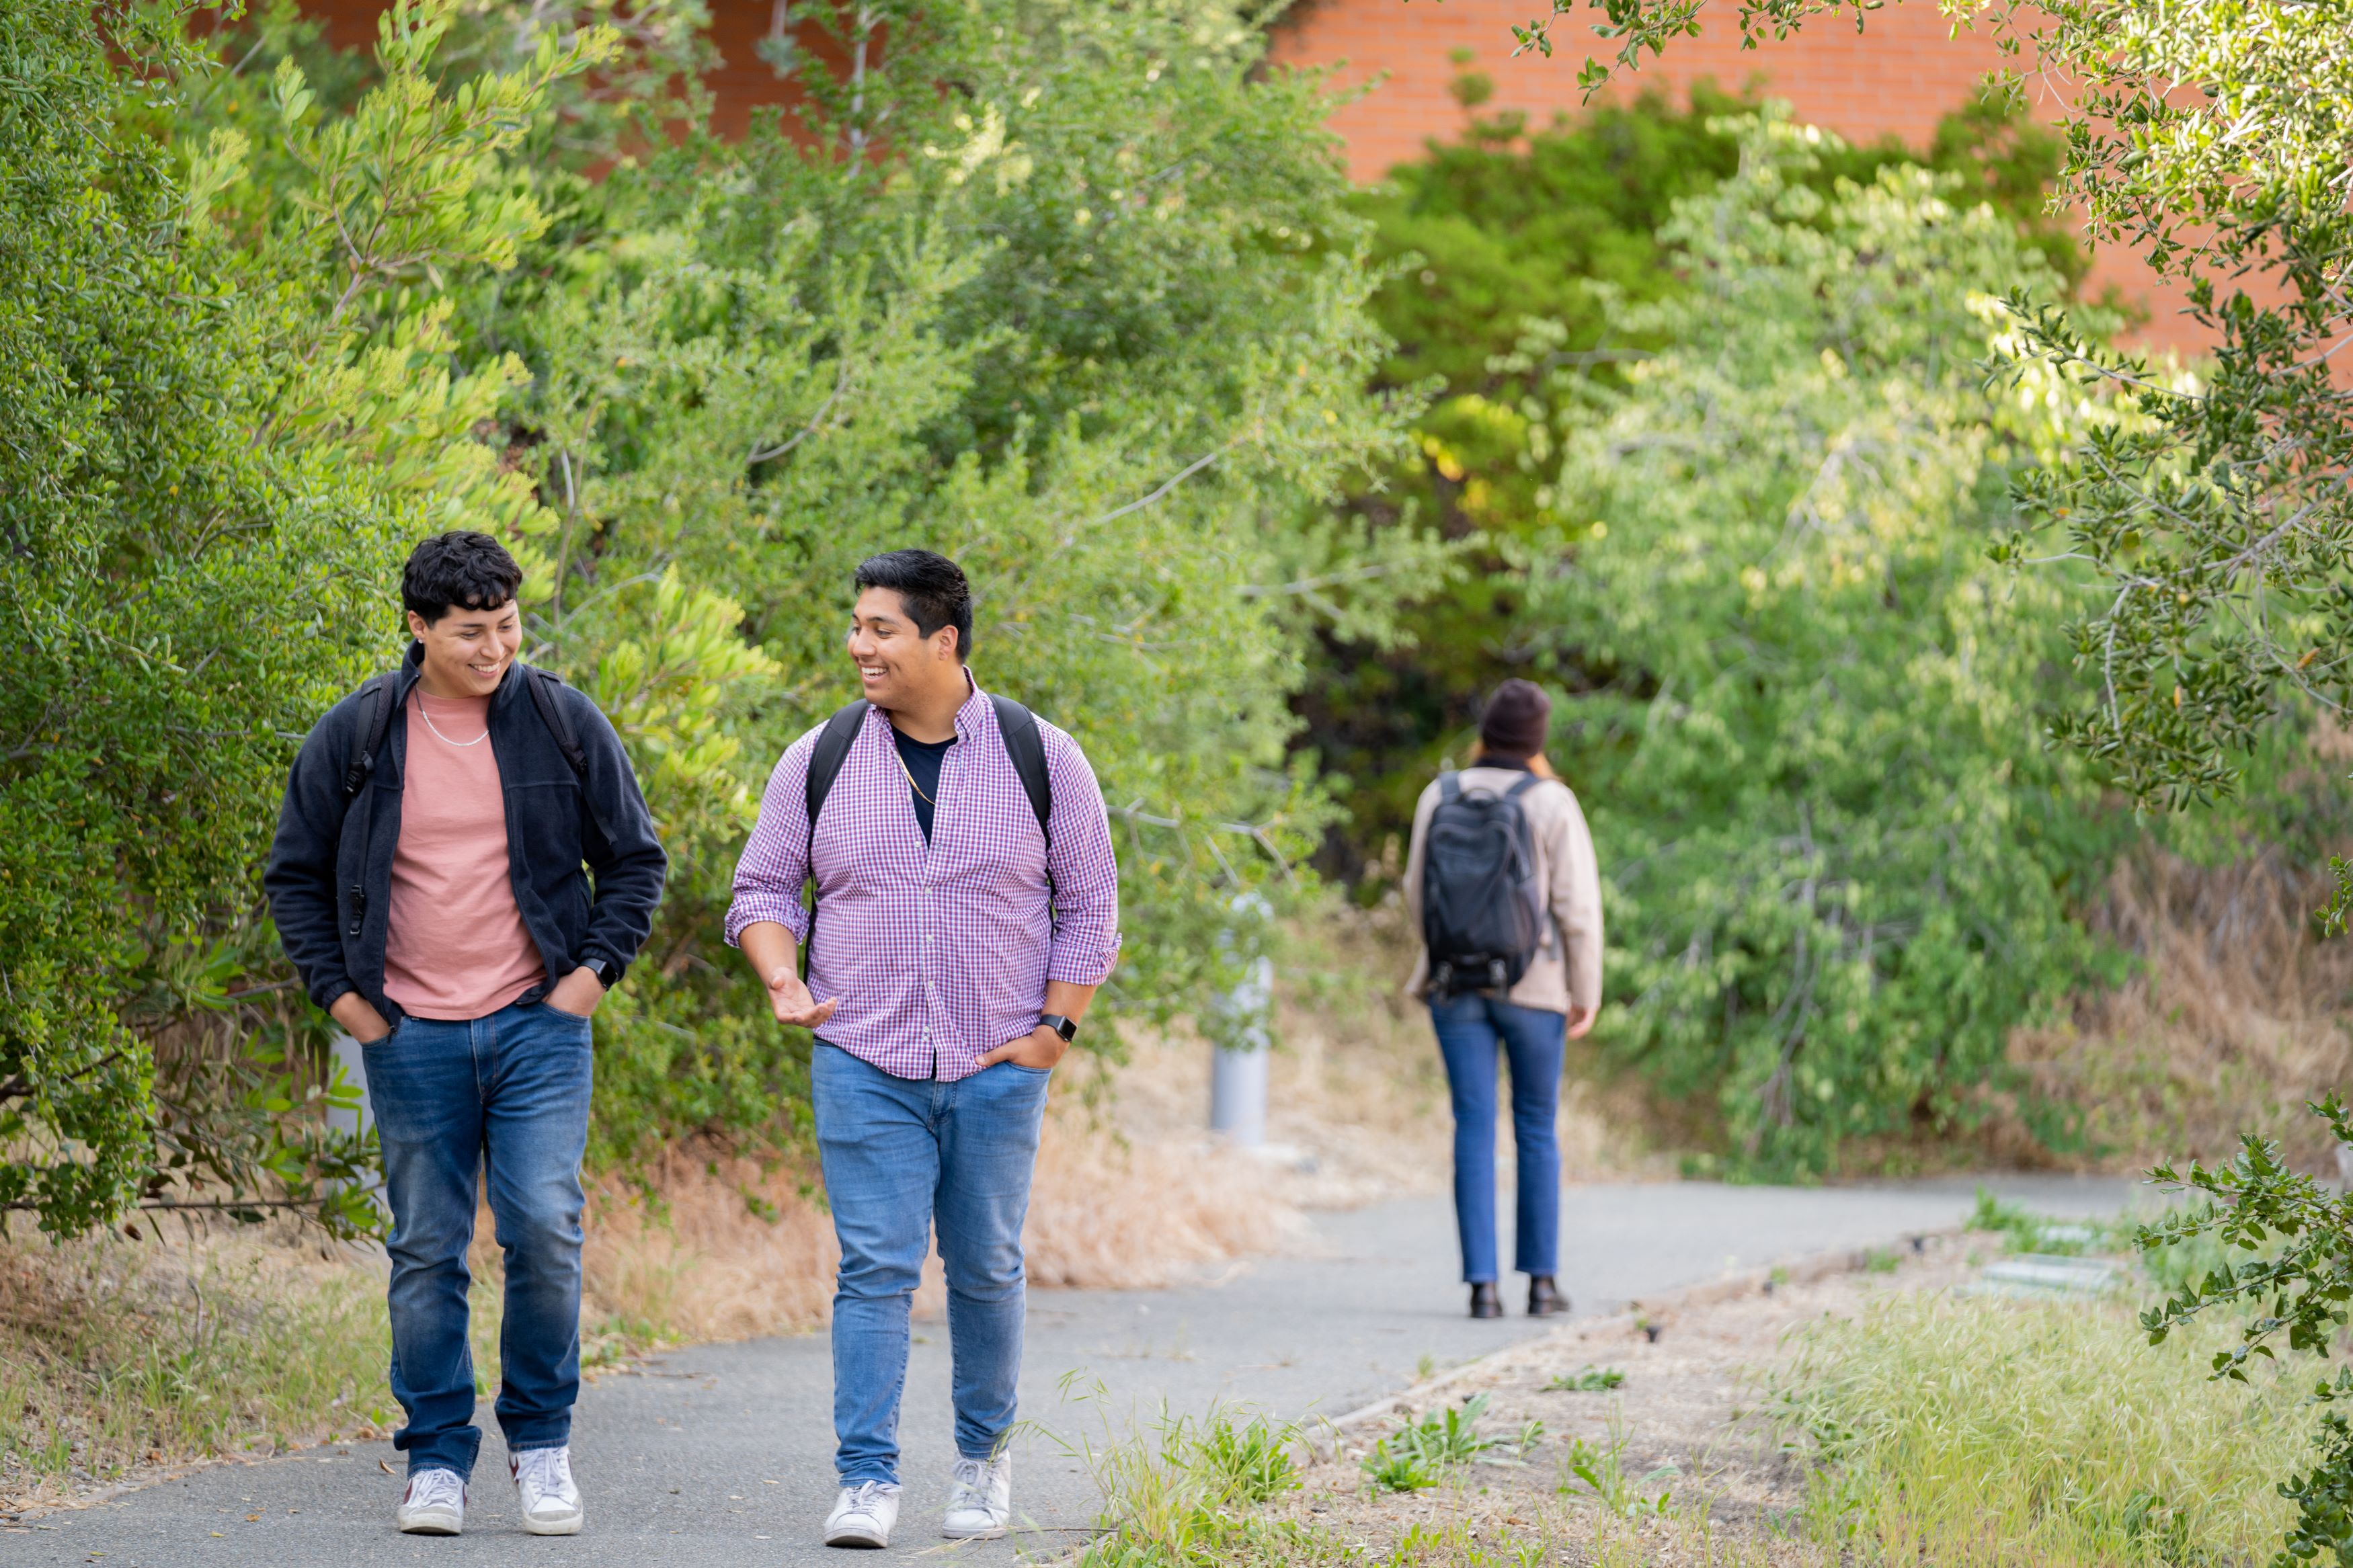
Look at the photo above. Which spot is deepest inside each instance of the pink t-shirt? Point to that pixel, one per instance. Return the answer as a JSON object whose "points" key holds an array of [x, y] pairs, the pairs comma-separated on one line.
{"points": [[455, 946]]}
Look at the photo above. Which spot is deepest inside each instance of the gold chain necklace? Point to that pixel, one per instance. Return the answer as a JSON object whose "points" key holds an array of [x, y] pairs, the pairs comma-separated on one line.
{"points": [[912, 784]]}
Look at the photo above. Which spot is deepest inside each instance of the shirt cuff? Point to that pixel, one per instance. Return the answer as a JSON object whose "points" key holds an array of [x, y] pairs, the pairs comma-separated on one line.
{"points": [[1080, 966], [752, 908]]}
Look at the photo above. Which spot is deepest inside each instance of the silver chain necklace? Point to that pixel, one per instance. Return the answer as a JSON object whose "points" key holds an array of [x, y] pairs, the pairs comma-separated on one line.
{"points": [[445, 739]]}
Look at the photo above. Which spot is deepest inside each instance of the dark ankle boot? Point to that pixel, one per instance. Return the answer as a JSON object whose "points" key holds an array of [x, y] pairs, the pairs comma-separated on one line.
{"points": [[1484, 1302], [1543, 1300]]}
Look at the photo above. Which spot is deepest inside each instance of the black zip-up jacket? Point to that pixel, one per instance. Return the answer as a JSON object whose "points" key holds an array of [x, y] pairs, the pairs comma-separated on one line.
{"points": [[582, 853]]}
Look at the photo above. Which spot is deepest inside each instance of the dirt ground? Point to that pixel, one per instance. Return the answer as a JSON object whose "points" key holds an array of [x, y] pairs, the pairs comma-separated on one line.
{"points": [[1690, 1421]]}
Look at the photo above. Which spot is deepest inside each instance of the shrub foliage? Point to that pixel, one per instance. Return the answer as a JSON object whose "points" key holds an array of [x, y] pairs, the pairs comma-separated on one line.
{"points": [[1093, 321]]}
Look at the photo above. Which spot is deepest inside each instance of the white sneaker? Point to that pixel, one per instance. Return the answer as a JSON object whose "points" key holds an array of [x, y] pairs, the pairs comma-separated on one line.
{"points": [[543, 1478], [980, 1499], [434, 1504], [863, 1515]]}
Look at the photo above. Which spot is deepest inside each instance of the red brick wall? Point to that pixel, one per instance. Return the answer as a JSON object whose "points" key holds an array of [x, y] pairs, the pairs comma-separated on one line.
{"points": [[743, 82], [1898, 78]]}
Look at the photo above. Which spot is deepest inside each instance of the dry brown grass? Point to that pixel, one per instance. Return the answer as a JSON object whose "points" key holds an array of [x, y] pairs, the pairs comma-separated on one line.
{"points": [[2230, 1023], [122, 1359], [729, 1251], [1131, 1193], [1358, 1084]]}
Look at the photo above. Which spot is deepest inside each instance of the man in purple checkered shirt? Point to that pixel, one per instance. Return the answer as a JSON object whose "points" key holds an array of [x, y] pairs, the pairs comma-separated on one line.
{"points": [[967, 906]]}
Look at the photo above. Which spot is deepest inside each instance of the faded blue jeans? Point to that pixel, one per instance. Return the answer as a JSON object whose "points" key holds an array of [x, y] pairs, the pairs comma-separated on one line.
{"points": [[899, 1154], [506, 1095], [1471, 1028]]}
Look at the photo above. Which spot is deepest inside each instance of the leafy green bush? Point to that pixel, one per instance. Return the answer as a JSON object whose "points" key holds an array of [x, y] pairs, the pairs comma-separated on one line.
{"points": [[212, 446], [2277, 1251], [1095, 323], [1840, 854], [1560, 224]]}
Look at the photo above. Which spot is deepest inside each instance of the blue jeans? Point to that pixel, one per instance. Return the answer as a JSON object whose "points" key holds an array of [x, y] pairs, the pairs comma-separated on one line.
{"points": [[898, 1155], [1470, 1027], [506, 1095]]}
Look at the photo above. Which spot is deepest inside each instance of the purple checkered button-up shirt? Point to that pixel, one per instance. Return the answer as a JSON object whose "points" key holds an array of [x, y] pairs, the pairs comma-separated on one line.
{"points": [[938, 951]]}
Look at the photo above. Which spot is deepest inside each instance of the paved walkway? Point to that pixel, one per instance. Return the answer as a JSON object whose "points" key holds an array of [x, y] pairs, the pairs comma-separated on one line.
{"points": [[719, 1456]]}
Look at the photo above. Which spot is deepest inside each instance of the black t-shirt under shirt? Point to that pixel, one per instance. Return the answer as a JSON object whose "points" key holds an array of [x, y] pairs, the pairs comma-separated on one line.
{"points": [[923, 761]]}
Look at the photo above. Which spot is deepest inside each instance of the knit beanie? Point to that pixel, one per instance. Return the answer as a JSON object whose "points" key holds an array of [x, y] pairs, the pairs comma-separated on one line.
{"points": [[1514, 724]]}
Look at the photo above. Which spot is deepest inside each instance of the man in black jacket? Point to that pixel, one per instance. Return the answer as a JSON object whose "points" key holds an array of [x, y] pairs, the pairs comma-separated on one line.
{"points": [[464, 865]]}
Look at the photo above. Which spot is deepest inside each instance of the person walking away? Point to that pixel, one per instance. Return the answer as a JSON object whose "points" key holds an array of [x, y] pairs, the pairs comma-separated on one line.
{"points": [[463, 867], [1501, 883], [967, 906]]}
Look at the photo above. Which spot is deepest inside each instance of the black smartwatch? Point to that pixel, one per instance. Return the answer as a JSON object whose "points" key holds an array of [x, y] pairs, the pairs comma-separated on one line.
{"points": [[1066, 1028], [605, 970]]}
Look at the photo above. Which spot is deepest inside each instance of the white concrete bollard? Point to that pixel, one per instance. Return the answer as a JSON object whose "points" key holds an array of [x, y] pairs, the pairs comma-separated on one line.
{"points": [[1238, 1074]]}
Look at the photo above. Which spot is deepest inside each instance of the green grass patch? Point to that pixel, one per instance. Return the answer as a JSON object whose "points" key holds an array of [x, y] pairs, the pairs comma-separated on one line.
{"points": [[1959, 1430], [1586, 1380], [2022, 1230], [1421, 1454], [1597, 1471], [1184, 1494]]}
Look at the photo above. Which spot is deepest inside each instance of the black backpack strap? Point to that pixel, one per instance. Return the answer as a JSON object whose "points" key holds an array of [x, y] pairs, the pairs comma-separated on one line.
{"points": [[546, 690], [832, 749], [1450, 788], [1521, 788], [376, 723], [1018, 727]]}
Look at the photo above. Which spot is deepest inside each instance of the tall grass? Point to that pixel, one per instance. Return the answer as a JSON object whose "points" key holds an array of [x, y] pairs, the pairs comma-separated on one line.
{"points": [[117, 1355], [1960, 1430], [2229, 1023]]}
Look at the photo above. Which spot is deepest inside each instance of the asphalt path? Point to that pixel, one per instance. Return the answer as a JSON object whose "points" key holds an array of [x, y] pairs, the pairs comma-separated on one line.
{"points": [[720, 1457]]}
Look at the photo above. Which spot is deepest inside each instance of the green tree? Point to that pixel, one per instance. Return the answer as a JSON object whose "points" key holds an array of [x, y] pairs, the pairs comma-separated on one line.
{"points": [[1094, 321], [2212, 139], [221, 423], [1563, 226], [2208, 139], [1840, 855], [1101, 334]]}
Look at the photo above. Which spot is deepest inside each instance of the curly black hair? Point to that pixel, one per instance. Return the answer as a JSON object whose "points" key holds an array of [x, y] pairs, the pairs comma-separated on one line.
{"points": [[458, 570]]}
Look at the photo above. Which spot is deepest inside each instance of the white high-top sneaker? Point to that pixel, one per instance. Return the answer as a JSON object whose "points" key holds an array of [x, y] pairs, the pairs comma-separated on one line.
{"points": [[980, 1499], [543, 1478], [433, 1504], [862, 1515]]}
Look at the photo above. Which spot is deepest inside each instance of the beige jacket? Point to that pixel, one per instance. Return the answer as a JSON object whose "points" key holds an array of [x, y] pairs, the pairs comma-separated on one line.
{"points": [[1566, 971]]}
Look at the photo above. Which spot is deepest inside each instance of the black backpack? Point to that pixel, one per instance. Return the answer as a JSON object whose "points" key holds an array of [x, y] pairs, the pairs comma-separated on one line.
{"points": [[1015, 724], [1482, 912], [375, 697]]}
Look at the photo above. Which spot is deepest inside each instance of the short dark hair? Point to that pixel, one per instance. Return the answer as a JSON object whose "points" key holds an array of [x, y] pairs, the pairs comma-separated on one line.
{"points": [[458, 570], [933, 587]]}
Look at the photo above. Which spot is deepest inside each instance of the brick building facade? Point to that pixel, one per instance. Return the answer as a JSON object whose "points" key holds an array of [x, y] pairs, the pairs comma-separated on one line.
{"points": [[1898, 78]]}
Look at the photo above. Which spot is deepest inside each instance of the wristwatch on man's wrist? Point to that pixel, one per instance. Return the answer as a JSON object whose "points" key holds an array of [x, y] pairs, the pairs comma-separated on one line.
{"points": [[1066, 1028], [605, 970]]}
